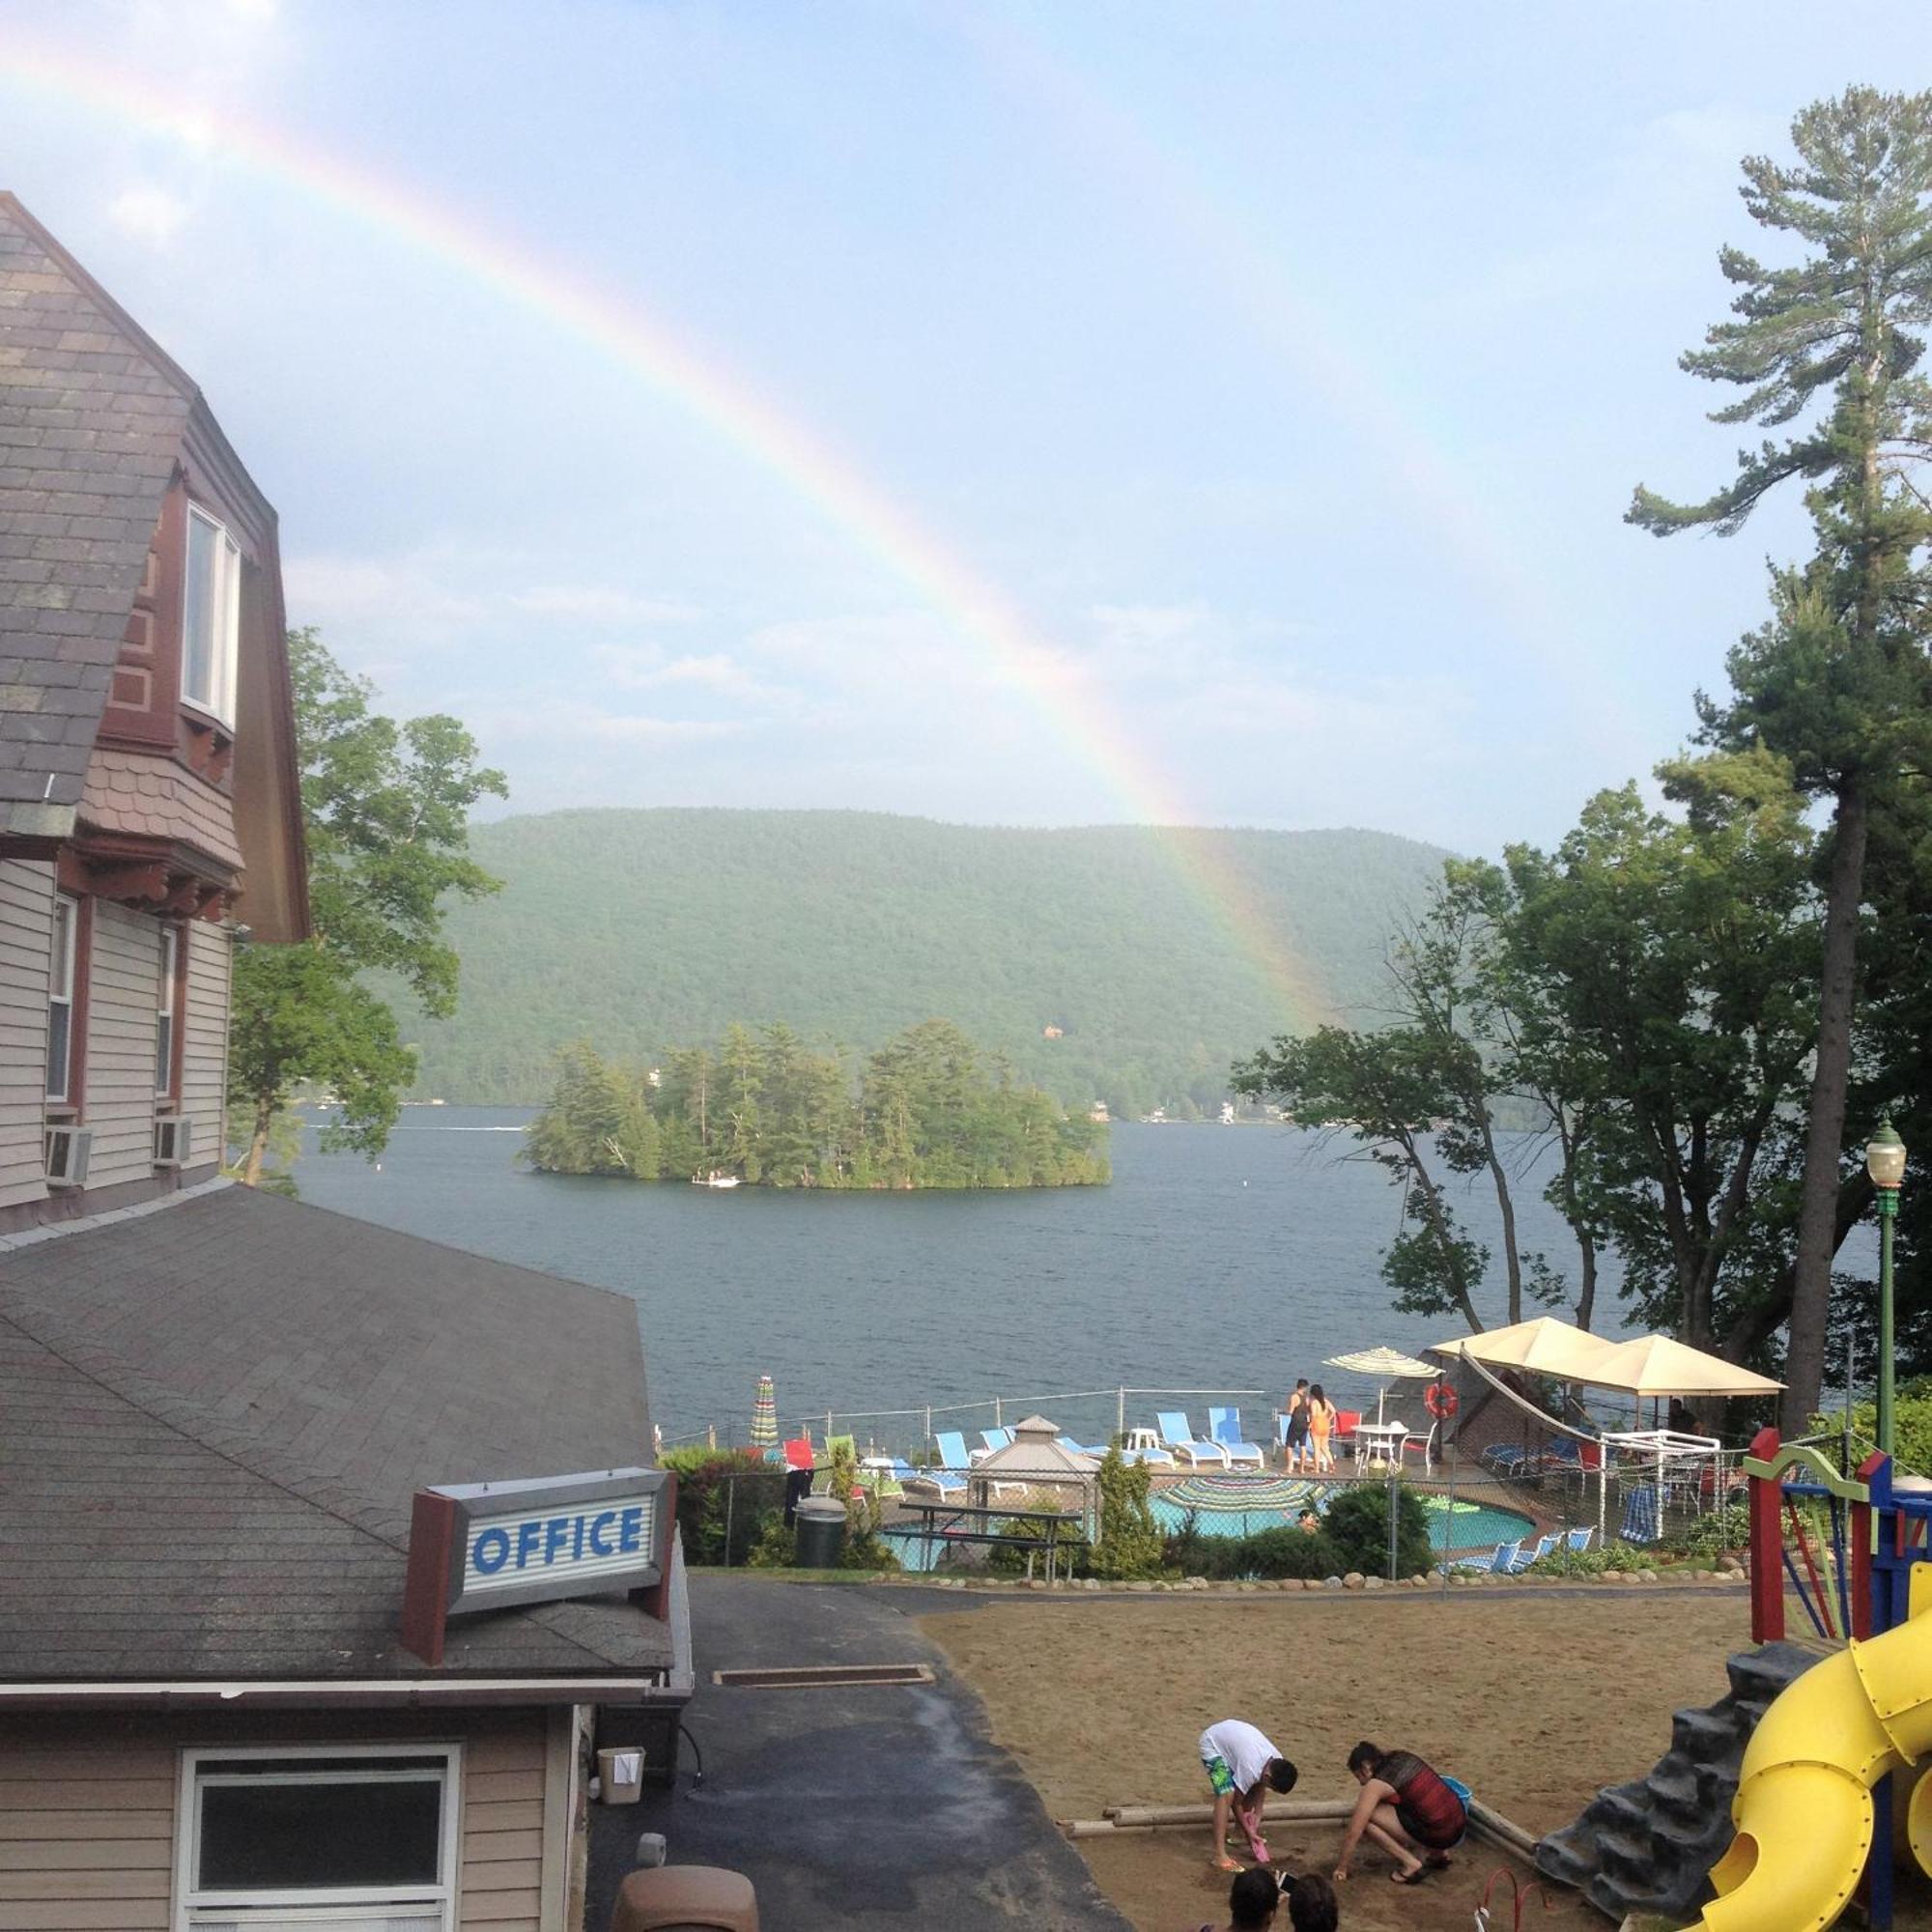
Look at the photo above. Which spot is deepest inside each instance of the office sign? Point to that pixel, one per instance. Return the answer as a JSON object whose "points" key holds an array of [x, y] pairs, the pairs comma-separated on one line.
{"points": [[492, 1546]]}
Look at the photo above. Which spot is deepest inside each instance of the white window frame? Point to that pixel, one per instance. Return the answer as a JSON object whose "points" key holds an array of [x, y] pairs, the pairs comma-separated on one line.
{"points": [[166, 1018], [60, 993], [225, 602], [318, 1905]]}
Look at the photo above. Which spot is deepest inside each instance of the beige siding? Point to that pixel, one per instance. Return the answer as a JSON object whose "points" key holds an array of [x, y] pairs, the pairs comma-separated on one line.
{"points": [[120, 1076], [26, 940], [503, 1828], [87, 1827], [87, 1837], [205, 1039]]}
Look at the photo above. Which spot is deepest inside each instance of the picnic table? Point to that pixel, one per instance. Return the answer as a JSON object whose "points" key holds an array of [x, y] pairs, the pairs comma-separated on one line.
{"points": [[1049, 1530]]}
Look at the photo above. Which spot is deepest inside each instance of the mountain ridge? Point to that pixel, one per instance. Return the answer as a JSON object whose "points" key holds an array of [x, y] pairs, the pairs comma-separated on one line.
{"points": [[1159, 954]]}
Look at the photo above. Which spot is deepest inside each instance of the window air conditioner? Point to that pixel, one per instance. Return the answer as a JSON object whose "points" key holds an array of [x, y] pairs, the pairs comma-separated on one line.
{"points": [[171, 1141], [68, 1148]]}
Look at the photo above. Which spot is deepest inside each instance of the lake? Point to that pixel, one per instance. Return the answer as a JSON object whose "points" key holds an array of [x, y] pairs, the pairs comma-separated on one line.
{"points": [[1221, 1257]]}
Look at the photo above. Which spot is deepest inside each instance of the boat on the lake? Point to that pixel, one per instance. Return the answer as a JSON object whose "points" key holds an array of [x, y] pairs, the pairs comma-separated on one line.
{"points": [[714, 1178]]}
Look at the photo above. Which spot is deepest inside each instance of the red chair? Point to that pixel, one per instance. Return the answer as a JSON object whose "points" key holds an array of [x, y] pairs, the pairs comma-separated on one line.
{"points": [[798, 1454]]}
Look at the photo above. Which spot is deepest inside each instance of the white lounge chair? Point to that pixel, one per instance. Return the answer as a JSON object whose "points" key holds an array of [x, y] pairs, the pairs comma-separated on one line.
{"points": [[1224, 1425]]}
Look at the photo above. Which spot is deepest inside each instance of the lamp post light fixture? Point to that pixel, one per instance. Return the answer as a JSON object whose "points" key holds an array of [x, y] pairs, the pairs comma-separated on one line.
{"points": [[1885, 1162]]}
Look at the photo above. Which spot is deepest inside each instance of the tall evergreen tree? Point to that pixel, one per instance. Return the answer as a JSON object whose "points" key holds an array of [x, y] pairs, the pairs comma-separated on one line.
{"points": [[1837, 682]]}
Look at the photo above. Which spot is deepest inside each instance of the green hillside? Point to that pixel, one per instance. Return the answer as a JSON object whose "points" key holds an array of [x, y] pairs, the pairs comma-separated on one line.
{"points": [[647, 929]]}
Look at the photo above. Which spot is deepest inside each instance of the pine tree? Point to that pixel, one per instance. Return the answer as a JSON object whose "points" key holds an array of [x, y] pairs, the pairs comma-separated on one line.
{"points": [[1837, 683]]}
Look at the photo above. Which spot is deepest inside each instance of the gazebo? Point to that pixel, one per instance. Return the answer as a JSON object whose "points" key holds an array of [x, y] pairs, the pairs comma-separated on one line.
{"points": [[1032, 1471]]}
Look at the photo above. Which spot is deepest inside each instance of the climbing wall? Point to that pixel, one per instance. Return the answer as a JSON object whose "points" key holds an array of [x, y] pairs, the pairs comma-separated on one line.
{"points": [[1649, 1846]]}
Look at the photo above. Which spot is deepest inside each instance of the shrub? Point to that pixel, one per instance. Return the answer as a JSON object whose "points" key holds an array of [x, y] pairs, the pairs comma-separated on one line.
{"points": [[721, 1488], [1129, 1547], [1626, 1557], [1357, 1523], [1911, 1427], [777, 1546], [1726, 1528], [1286, 1552]]}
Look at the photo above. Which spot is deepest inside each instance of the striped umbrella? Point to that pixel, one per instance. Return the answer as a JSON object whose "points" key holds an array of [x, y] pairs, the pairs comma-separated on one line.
{"points": [[765, 1416]]}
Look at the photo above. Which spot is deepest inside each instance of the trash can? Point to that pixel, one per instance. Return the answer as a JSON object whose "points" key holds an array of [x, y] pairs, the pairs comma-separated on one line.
{"points": [[621, 1773], [821, 1533]]}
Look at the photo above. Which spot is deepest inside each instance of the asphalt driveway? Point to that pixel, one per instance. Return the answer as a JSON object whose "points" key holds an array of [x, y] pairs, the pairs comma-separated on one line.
{"points": [[856, 1805]]}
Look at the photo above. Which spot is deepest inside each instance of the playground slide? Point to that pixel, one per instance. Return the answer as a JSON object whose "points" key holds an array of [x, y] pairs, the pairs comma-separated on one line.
{"points": [[1804, 1807]]}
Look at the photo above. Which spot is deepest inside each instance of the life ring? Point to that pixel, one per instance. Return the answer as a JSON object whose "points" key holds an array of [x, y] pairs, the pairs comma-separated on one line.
{"points": [[1441, 1401]]}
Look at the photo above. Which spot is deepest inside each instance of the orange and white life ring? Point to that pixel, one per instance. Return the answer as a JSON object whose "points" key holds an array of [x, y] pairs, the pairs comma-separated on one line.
{"points": [[1441, 1401]]}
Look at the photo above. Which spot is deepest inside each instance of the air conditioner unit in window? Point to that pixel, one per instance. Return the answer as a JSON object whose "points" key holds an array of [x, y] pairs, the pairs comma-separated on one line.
{"points": [[68, 1148], [171, 1141]]}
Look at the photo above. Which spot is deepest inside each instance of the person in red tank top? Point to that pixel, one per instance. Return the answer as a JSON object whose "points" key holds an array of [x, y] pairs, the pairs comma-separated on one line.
{"points": [[1407, 1808]]}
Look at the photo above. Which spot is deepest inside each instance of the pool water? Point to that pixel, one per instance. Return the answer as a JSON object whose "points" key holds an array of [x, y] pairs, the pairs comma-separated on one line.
{"points": [[1477, 1525]]}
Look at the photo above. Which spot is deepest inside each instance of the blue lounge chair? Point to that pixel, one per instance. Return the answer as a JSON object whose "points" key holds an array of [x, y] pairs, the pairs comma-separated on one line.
{"points": [[1579, 1540], [1524, 1558], [1506, 1458], [952, 1446], [943, 1483], [1154, 1459], [1178, 1433], [1639, 1525], [1074, 1448], [996, 1438], [1224, 1425], [1502, 1562]]}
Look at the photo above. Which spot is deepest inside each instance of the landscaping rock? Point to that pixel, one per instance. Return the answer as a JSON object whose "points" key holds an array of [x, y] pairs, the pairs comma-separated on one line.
{"points": [[1375, 1583], [1353, 1581]]}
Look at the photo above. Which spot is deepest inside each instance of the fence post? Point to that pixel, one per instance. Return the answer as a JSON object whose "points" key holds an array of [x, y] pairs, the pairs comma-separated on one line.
{"points": [[1395, 1477], [711, 1435], [998, 1421], [1121, 1412], [730, 1507]]}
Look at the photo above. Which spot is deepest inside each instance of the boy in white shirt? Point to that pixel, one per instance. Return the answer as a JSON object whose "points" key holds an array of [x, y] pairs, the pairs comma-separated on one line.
{"points": [[1241, 1764]]}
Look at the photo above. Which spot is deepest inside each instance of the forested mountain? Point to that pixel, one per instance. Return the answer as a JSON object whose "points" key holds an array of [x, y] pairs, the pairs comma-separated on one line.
{"points": [[649, 930]]}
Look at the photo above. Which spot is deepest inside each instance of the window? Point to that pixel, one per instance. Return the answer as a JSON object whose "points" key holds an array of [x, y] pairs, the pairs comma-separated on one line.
{"points": [[60, 998], [211, 619], [164, 1012], [360, 1838]]}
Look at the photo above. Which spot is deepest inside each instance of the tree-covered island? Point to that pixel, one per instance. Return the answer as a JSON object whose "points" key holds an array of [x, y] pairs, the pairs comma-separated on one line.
{"points": [[928, 1109]]}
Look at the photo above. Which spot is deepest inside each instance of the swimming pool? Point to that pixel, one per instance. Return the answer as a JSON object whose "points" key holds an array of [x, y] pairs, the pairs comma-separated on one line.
{"points": [[1245, 1506]]}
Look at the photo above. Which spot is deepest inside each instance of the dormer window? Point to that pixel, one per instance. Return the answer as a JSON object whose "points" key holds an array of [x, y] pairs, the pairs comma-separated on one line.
{"points": [[212, 620]]}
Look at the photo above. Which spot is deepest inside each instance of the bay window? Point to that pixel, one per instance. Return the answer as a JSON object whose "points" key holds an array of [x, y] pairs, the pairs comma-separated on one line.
{"points": [[211, 617], [59, 997], [341, 1838]]}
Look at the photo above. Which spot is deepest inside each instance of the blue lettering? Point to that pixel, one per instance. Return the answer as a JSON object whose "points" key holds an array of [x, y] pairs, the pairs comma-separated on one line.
{"points": [[489, 1551], [631, 1528], [576, 1542], [527, 1541], [599, 1544], [556, 1533]]}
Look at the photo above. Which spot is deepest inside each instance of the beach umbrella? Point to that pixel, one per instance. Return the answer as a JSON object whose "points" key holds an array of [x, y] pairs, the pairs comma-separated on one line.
{"points": [[1543, 1346], [1656, 1365], [765, 1416], [1385, 1366]]}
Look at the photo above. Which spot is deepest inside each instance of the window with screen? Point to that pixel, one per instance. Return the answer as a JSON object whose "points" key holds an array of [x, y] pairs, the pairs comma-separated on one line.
{"points": [[60, 998], [360, 1837], [164, 1012], [211, 618]]}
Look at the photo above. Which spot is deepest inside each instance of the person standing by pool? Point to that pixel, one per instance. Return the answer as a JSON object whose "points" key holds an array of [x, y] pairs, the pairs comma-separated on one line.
{"points": [[1295, 1440], [1407, 1807], [1242, 1765], [1320, 1425]]}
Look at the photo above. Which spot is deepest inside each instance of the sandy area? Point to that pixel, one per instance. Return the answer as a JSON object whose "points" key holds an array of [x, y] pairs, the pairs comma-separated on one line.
{"points": [[1533, 1702]]}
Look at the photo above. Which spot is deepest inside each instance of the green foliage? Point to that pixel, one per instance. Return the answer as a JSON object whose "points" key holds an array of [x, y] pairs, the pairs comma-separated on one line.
{"points": [[386, 808], [721, 1490], [926, 1112], [1713, 1532], [1356, 1521], [1911, 1427], [865, 1548], [1129, 1547], [1282, 1551], [639, 927], [1625, 1558], [777, 1546]]}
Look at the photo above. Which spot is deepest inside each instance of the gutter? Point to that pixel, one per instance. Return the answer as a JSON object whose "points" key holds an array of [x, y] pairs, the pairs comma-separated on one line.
{"points": [[352, 1693]]}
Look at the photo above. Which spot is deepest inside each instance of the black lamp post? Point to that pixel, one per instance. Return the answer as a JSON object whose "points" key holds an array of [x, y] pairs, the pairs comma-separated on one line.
{"points": [[1885, 1162]]}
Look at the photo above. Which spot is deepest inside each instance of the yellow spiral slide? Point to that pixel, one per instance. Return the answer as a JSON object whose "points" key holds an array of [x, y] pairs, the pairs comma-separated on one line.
{"points": [[1805, 1808]]}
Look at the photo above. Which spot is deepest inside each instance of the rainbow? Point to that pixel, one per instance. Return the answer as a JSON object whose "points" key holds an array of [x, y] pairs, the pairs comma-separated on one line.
{"points": [[1060, 689]]}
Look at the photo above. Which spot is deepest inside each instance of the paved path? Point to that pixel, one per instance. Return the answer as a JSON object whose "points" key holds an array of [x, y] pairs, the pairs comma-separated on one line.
{"points": [[854, 1807]]}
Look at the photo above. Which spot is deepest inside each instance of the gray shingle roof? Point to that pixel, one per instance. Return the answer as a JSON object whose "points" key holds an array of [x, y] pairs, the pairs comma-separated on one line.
{"points": [[91, 416], [212, 1419]]}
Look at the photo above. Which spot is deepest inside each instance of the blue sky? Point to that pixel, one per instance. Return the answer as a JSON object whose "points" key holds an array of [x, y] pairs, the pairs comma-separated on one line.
{"points": [[1288, 369]]}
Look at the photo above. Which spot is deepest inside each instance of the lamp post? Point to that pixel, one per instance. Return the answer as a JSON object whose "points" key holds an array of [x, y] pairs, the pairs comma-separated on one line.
{"points": [[1885, 1162]]}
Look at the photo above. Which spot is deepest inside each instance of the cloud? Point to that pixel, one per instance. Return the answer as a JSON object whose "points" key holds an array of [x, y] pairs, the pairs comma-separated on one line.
{"points": [[566, 721], [601, 603], [411, 596], [716, 671], [149, 213]]}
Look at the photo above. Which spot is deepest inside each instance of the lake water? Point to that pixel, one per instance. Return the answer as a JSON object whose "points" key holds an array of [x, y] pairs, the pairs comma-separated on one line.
{"points": [[1220, 1258]]}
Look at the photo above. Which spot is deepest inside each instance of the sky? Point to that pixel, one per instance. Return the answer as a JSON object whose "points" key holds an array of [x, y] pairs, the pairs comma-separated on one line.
{"points": [[1020, 414]]}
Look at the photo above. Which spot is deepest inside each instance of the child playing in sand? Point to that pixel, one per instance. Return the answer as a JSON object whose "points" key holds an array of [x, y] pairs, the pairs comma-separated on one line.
{"points": [[1252, 1899], [1242, 1765]]}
